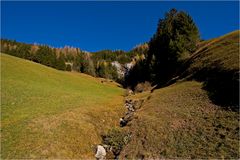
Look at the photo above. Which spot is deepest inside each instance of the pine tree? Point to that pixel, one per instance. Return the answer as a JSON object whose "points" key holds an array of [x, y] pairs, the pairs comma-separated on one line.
{"points": [[46, 56], [174, 41], [60, 62]]}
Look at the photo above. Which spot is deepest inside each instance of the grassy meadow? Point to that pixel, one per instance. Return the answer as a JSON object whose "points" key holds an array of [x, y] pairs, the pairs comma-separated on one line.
{"points": [[46, 113]]}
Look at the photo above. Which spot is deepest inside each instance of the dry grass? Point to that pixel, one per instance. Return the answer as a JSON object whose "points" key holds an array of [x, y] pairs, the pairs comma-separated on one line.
{"points": [[180, 121], [216, 63], [220, 52]]}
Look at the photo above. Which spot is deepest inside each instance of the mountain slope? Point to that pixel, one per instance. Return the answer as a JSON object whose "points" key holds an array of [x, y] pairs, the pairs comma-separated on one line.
{"points": [[185, 119], [48, 113], [180, 121], [216, 64], [221, 53]]}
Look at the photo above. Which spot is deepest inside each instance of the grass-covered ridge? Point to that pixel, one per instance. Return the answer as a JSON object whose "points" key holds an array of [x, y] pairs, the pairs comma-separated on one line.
{"points": [[197, 116], [221, 53], [216, 64], [46, 113]]}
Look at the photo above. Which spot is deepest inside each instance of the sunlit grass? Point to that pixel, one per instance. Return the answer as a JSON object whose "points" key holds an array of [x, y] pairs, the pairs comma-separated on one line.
{"points": [[220, 52], [47, 113]]}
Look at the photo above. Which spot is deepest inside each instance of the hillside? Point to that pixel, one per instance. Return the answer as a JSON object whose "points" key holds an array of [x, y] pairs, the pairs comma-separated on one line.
{"points": [[216, 64], [48, 113], [192, 119], [180, 121], [221, 53]]}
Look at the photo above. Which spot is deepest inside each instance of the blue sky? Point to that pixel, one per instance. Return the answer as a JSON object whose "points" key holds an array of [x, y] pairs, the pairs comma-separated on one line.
{"points": [[112, 25]]}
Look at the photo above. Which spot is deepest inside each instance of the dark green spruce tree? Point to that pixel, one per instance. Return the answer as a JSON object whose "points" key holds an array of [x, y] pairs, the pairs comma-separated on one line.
{"points": [[60, 63], [46, 56], [174, 41]]}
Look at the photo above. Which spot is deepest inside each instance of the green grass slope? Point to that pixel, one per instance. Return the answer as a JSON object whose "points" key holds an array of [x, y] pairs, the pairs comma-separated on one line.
{"points": [[191, 119], [179, 121], [46, 113]]}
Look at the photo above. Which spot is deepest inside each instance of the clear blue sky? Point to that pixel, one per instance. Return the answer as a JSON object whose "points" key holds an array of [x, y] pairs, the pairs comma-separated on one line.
{"points": [[112, 25]]}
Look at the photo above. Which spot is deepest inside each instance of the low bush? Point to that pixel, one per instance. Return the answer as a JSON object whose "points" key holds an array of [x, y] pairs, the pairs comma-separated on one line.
{"points": [[140, 87], [116, 139]]}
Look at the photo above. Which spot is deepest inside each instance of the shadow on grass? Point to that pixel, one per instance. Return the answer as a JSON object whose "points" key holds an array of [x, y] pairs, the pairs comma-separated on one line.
{"points": [[223, 89], [221, 85]]}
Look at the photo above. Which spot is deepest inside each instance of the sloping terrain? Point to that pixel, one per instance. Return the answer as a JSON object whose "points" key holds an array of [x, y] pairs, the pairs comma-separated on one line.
{"points": [[222, 52], [180, 121], [216, 64], [46, 113], [187, 119]]}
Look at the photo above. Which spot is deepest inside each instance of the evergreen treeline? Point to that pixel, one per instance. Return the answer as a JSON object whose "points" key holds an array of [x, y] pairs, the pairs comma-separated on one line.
{"points": [[174, 41], [72, 59], [41, 54]]}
